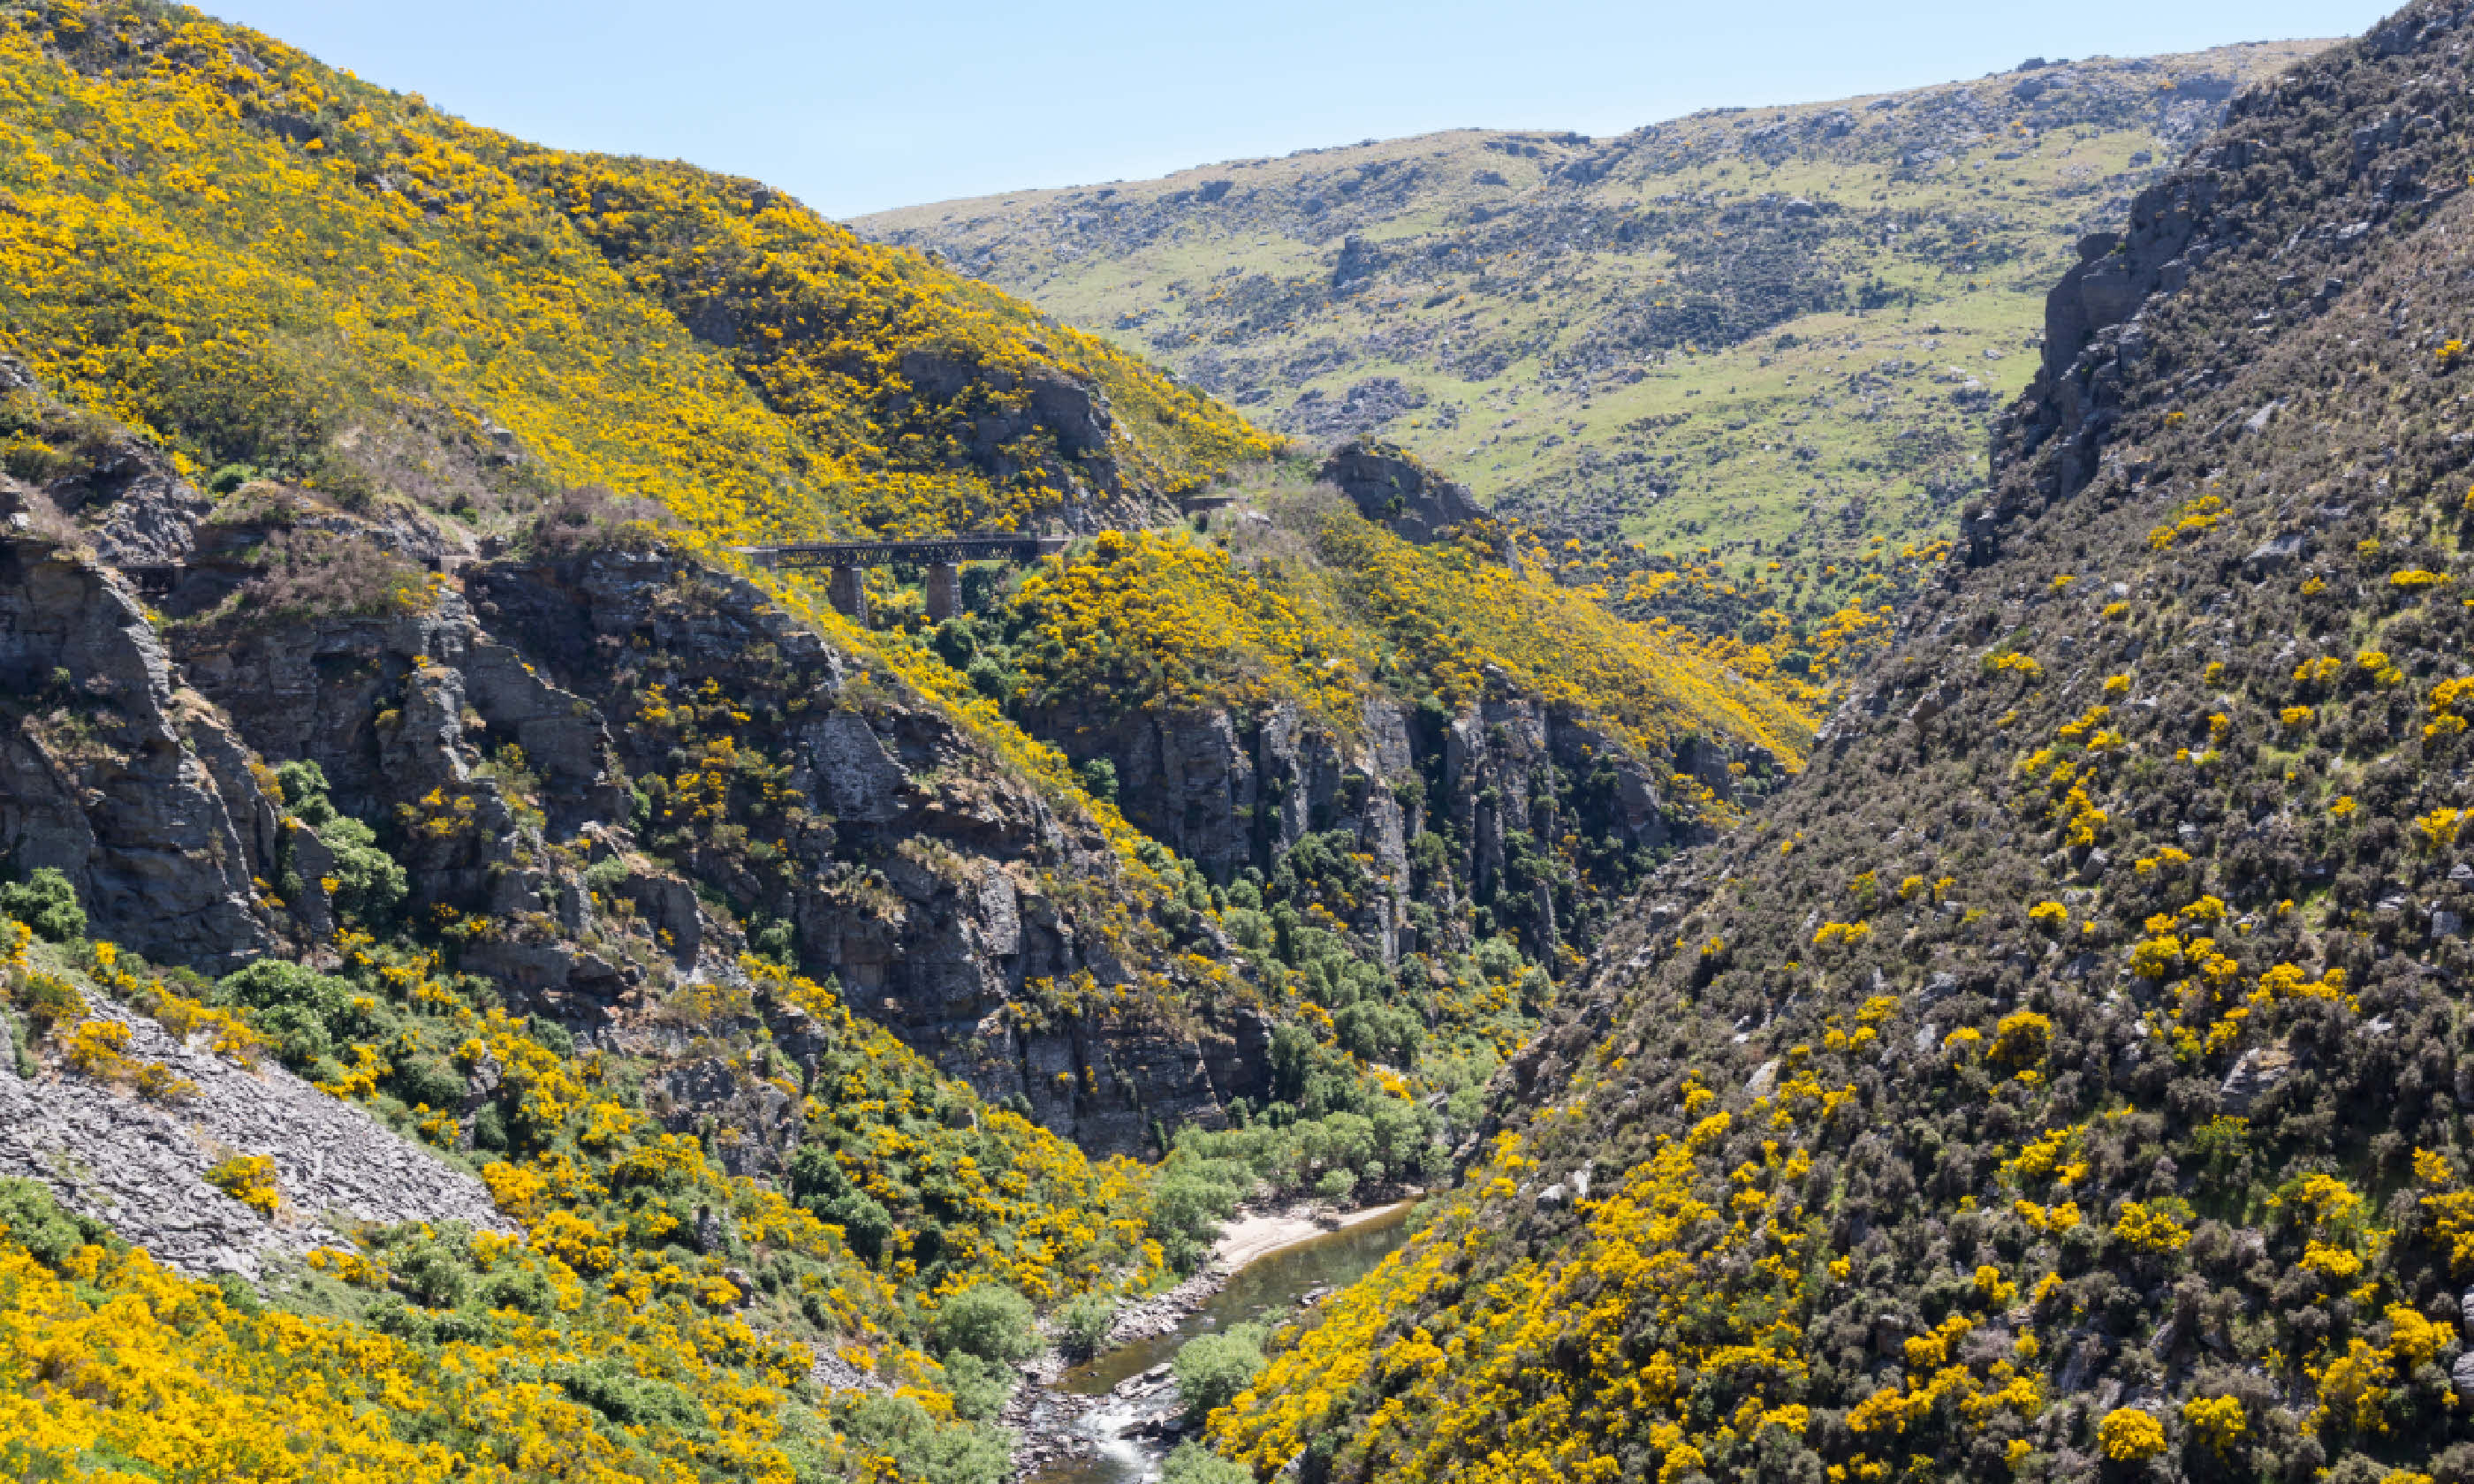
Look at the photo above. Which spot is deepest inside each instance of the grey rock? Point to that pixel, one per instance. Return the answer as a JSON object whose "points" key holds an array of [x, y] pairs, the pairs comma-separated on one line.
{"points": [[1389, 487], [2258, 1072], [153, 523], [95, 779], [861, 780], [140, 1166], [2275, 555]]}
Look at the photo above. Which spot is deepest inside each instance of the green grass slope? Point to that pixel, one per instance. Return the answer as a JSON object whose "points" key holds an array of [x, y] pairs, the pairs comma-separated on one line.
{"points": [[1767, 330]]}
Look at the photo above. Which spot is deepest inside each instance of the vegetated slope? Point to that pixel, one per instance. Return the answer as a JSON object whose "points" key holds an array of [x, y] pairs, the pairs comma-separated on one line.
{"points": [[269, 264], [1745, 330], [377, 697], [2062, 1078], [275, 270], [1462, 747]]}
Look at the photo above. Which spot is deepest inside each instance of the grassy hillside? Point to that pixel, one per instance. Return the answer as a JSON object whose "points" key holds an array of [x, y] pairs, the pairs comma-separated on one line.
{"points": [[1774, 332], [1324, 609], [2064, 1078], [277, 271]]}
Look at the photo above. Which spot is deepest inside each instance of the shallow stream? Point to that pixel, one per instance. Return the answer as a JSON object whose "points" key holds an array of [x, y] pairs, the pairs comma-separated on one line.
{"points": [[1272, 1282]]}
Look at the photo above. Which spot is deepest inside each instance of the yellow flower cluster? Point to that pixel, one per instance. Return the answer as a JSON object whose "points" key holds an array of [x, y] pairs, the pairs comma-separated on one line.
{"points": [[1146, 619], [1536, 1375], [1476, 630]]}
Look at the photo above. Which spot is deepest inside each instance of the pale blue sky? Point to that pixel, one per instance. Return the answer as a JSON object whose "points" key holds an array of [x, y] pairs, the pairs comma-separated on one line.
{"points": [[853, 108]]}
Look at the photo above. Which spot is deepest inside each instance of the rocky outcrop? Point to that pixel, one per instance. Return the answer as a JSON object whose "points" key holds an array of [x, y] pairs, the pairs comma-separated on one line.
{"points": [[489, 743], [100, 776], [2090, 338], [1391, 487], [1007, 410], [944, 895], [140, 1166], [1231, 791], [2315, 171]]}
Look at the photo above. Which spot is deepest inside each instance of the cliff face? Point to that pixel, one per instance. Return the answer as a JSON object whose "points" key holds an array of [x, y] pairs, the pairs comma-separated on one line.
{"points": [[935, 888], [497, 731], [1231, 791], [103, 765]]}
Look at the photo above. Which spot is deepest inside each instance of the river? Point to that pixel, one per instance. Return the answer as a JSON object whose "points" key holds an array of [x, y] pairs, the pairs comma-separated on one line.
{"points": [[1267, 1285]]}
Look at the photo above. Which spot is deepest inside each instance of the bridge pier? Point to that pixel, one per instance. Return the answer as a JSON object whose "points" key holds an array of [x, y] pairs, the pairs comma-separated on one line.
{"points": [[944, 591], [849, 593]]}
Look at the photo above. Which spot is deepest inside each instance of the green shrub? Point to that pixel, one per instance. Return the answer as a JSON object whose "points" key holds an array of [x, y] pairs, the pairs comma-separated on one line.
{"points": [[368, 883], [1086, 1322], [45, 902], [296, 1009], [608, 1387], [1212, 1369], [1186, 1209], [920, 1447], [980, 1387], [35, 1221], [428, 1080], [524, 1290], [228, 478], [430, 1273], [1194, 1464], [991, 1322], [604, 877]]}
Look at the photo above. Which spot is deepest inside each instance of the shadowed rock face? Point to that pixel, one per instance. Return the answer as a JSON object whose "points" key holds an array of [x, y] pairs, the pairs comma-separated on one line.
{"points": [[1231, 790], [936, 886], [2259, 233], [102, 774], [921, 875]]}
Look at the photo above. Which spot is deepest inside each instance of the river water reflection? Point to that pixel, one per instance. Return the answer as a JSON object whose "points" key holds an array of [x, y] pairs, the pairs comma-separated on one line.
{"points": [[1271, 1283]]}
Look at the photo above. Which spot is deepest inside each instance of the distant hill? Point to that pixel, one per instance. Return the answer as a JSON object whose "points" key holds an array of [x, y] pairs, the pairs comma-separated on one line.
{"points": [[1746, 330]]}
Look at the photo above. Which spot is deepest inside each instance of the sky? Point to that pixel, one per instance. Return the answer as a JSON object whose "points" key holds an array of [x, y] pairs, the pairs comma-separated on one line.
{"points": [[856, 108]]}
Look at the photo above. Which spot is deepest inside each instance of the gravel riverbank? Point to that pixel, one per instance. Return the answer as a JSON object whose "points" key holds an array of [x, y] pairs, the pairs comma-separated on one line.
{"points": [[1050, 1420]]}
